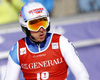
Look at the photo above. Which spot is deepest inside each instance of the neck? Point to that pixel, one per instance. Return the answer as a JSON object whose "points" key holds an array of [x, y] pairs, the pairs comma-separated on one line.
{"points": [[34, 40]]}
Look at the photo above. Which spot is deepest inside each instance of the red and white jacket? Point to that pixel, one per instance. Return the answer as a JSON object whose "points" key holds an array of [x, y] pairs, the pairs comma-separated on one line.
{"points": [[45, 61]]}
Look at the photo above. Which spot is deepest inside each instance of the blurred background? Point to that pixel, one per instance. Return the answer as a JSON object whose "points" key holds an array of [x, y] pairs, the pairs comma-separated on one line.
{"points": [[77, 20]]}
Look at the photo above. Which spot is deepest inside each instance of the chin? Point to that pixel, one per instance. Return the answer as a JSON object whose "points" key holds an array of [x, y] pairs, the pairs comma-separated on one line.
{"points": [[42, 40]]}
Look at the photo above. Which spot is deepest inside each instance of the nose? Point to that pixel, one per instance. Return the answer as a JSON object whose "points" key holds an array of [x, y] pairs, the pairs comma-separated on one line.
{"points": [[41, 29]]}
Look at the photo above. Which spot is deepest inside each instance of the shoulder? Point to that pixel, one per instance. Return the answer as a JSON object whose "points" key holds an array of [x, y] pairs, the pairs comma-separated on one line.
{"points": [[13, 54], [23, 39], [13, 50], [67, 47], [65, 44], [64, 40], [55, 36]]}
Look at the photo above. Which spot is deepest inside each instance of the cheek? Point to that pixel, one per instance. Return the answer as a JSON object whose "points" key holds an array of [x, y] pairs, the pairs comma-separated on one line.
{"points": [[34, 34]]}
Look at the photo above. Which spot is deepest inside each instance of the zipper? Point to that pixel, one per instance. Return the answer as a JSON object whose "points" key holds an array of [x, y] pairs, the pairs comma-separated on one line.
{"points": [[39, 47]]}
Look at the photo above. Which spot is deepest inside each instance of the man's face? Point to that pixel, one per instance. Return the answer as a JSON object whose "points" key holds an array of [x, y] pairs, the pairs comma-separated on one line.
{"points": [[39, 35]]}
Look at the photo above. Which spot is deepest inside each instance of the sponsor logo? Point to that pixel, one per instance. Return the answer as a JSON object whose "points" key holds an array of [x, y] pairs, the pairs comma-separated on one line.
{"points": [[22, 51], [39, 55], [37, 11], [46, 63], [54, 45]]}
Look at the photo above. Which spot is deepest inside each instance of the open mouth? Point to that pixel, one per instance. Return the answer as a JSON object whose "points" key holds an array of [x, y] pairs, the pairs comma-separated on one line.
{"points": [[41, 35]]}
